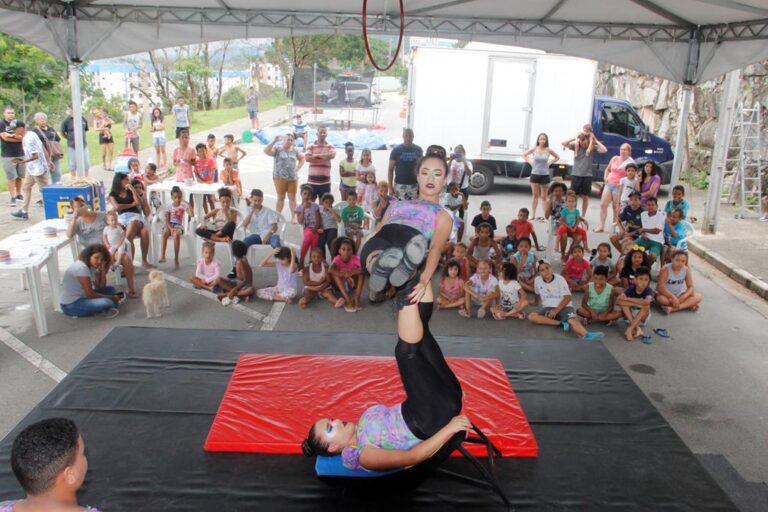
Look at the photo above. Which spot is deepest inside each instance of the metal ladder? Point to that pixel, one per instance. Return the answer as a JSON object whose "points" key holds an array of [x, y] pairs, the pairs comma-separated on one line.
{"points": [[743, 174]]}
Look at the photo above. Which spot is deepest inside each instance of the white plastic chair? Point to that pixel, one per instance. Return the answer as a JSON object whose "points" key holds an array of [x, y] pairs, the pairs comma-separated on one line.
{"points": [[225, 246], [157, 227], [282, 223], [690, 232], [366, 232]]}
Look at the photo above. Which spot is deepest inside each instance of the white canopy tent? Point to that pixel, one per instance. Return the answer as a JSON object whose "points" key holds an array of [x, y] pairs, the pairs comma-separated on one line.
{"points": [[687, 41]]}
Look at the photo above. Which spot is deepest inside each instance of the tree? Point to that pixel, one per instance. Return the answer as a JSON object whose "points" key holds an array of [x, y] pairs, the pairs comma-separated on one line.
{"points": [[234, 97]]}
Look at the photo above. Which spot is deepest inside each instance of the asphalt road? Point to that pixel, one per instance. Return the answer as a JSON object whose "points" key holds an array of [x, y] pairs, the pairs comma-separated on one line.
{"points": [[708, 380]]}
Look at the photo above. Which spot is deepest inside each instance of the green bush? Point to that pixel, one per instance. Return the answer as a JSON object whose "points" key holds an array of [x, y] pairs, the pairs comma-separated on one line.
{"points": [[234, 97]]}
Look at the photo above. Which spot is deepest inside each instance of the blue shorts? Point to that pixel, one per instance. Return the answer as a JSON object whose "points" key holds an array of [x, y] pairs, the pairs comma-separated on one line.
{"points": [[158, 140], [615, 189]]}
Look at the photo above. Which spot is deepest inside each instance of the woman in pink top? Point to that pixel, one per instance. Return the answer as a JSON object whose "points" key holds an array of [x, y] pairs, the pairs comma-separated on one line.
{"points": [[614, 171]]}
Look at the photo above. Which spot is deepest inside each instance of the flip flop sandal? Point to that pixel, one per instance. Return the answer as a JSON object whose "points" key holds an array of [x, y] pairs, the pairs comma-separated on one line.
{"points": [[647, 339], [463, 313], [387, 261], [661, 332]]}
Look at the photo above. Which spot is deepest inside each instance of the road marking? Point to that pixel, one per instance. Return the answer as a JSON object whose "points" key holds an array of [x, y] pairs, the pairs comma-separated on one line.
{"points": [[272, 318], [32, 357]]}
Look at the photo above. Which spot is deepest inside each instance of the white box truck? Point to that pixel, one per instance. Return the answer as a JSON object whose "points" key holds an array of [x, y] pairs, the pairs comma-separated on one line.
{"points": [[495, 100]]}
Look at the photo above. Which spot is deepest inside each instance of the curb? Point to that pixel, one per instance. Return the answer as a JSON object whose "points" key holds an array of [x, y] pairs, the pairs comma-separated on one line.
{"points": [[741, 276]]}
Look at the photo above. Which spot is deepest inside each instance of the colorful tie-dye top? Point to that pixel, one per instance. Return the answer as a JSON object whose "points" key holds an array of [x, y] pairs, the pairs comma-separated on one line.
{"points": [[7, 506], [418, 214], [383, 427]]}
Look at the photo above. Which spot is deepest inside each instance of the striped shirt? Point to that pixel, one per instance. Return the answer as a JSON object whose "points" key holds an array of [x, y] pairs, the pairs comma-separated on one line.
{"points": [[319, 173]]}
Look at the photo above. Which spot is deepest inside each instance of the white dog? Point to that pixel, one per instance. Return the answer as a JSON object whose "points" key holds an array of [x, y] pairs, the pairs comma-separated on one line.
{"points": [[155, 294]]}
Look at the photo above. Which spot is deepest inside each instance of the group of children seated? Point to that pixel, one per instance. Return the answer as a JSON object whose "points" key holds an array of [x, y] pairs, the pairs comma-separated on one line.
{"points": [[497, 274]]}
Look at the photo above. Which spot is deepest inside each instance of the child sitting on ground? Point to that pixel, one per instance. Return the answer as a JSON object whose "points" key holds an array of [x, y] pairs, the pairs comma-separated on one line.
{"points": [[508, 244], [603, 258], [570, 216], [330, 220], [483, 248], [230, 177], [460, 255], [382, 201], [577, 270], [674, 233], [635, 259], [308, 215], [224, 220], [480, 290], [524, 228], [114, 238], [525, 260], [629, 224], [451, 287], [597, 303], [284, 261], [675, 289], [240, 288], [556, 307], [317, 281], [175, 214], [512, 298], [208, 269], [677, 202], [352, 216], [347, 274], [635, 303], [484, 216], [48, 460]]}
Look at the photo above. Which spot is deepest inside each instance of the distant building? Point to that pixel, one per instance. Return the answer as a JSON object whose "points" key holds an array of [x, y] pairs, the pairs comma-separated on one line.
{"points": [[269, 74]]}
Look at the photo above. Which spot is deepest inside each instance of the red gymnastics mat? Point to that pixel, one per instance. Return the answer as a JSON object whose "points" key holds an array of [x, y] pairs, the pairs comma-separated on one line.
{"points": [[272, 400]]}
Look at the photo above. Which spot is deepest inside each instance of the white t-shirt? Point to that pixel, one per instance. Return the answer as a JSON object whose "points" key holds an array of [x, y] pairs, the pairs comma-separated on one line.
{"points": [[71, 288], [552, 293], [181, 112], [627, 187], [262, 221], [657, 221], [32, 144], [483, 288], [509, 294], [458, 175]]}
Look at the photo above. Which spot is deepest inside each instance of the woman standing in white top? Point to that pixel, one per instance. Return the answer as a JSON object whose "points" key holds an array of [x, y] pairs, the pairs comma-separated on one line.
{"points": [[158, 137], [540, 158]]}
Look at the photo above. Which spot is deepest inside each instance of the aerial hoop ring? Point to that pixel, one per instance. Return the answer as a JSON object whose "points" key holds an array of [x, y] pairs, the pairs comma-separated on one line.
{"points": [[399, 40]]}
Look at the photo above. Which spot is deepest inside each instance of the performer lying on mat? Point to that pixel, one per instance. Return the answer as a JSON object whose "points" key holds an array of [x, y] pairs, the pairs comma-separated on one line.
{"points": [[411, 432]]}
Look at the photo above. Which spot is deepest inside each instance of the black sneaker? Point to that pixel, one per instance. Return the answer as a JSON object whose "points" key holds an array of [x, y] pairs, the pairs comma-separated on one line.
{"points": [[12, 202], [413, 255], [232, 275], [387, 261]]}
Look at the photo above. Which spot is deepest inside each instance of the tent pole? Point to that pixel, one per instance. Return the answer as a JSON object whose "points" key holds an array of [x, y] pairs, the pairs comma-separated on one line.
{"points": [[314, 92], [720, 151], [682, 133], [77, 116]]}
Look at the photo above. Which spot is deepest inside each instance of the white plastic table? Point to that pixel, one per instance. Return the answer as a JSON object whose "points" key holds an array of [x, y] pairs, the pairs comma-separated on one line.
{"points": [[29, 261]]}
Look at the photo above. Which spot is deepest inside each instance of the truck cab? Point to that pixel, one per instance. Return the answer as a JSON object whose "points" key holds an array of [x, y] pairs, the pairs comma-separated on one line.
{"points": [[615, 122]]}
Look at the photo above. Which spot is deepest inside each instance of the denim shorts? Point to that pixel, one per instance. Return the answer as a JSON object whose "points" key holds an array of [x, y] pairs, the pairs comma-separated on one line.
{"points": [[158, 140]]}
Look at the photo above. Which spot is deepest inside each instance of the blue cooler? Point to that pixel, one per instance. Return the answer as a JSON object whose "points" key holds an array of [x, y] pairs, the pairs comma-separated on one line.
{"points": [[56, 198]]}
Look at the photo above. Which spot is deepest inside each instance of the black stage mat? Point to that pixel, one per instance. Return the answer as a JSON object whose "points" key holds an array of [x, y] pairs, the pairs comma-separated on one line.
{"points": [[145, 399]]}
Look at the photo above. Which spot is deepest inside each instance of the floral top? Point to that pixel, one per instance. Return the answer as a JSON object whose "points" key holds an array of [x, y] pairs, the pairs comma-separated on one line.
{"points": [[421, 215], [383, 427]]}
